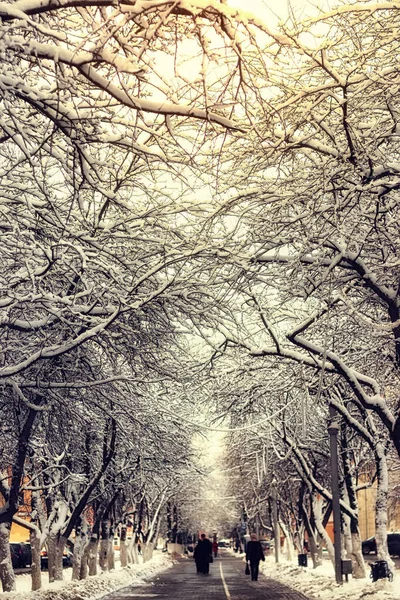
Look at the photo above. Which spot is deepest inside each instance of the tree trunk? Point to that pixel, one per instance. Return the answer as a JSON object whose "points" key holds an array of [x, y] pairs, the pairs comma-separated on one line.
{"points": [[275, 525], [359, 570], [123, 550], [10, 504], [103, 555], [315, 557], [157, 533], [147, 551], [104, 545], [314, 528], [346, 539], [35, 537], [7, 575], [169, 521], [353, 546], [84, 570], [381, 518], [175, 523], [134, 552], [79, 554], [93, 548], [36, 572], [55, 548], [111, 554], [289, 549]]}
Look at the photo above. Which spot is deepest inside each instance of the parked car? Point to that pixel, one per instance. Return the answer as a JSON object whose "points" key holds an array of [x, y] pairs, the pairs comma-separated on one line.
{"points": [[223, 544], [44, 559], [14, 556], [21, 554], [393, 540]]}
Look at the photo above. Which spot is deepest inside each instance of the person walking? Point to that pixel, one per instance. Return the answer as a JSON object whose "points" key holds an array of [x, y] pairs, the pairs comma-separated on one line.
{"points": [[203, 554], [215, 548], [254, 553]]}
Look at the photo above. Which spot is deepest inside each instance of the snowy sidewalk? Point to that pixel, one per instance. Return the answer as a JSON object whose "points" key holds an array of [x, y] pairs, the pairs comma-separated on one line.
{"points": [[320, 583], [91, 588]]}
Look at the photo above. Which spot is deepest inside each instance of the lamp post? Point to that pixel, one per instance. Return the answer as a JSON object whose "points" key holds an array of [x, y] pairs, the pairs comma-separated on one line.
{"points": [[333, 430], [56, 252], [275, 519]]}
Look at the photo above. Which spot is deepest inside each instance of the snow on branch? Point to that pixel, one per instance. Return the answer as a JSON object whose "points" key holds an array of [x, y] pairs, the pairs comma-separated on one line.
{"points": [[53, 351]]}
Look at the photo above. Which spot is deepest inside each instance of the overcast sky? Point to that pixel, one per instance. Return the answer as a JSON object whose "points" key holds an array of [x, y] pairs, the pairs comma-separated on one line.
{"points": [[280, 8]]}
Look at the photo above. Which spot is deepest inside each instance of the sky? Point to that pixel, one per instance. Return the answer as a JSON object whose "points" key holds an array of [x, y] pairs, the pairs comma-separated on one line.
{"points": [[279, 9]]}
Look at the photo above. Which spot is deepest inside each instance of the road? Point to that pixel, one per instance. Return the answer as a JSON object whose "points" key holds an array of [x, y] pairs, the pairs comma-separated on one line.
{"points": [[226, 581]]}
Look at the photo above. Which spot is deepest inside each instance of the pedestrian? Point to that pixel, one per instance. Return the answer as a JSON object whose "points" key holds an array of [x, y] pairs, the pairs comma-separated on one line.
{"points": [[215, 548], [203, 555], [254, 553]]}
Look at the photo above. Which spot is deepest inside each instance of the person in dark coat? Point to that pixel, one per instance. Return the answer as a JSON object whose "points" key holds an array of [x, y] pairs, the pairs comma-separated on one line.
{"points": [[202, 554], [254, 553]]}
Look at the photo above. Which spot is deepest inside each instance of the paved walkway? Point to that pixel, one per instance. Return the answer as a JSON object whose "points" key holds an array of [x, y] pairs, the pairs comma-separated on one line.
{"points": [[226, 581]]}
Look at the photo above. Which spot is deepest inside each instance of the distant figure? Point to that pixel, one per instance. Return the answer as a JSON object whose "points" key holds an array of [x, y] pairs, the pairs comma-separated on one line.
{"points": [[237, 545], [202, 554], [254, 553], [215, 549]]}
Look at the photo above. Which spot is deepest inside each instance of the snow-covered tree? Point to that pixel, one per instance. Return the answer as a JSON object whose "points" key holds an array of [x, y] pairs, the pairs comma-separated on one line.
{"points": [[322, 216]]}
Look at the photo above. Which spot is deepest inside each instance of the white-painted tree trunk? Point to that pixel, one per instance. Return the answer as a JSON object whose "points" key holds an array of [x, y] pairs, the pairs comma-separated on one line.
{"points": [[55, 548], [123, 554], [7, 575], [174, 548], [103, 554], [111, 554], [315, 558], [84, 570], [288, 545], [153, 530], [133, 554], [381, 517], [347, 545], [357, 559], [36, 572], [352, 547], [147, 551], [78, 557], [129, 551], [93, 549], [123, 549], [317, 503]]}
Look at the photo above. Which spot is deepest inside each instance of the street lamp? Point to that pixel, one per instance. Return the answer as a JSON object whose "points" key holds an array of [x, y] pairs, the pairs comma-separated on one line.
{"points": [[56, 252], [275, 523], [333, 430]]}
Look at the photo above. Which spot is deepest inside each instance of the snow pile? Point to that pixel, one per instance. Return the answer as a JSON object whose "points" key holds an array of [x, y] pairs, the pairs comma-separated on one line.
{"points": [[92, 587], [320, 583]]}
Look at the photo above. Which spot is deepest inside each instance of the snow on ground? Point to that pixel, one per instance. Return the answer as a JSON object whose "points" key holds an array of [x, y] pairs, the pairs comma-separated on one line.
{"points": [[320, 583], [91, 588]]}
